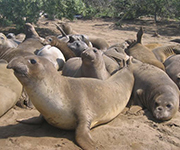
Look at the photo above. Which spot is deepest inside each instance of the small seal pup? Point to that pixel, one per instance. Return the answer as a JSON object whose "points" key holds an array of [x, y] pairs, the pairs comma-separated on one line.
{"points": [[154, 90], [73, 103]]}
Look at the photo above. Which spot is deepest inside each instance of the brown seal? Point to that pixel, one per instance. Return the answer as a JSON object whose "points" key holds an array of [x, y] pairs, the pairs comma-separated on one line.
{"points": [[163, 52], [91, 64], [53, 41], [10, 88], [154, 90], [58, 98], [142, 53], [172, 64], [6, 43]]}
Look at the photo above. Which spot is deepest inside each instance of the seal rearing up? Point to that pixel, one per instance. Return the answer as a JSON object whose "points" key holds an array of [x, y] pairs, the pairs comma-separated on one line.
{"points": [[73, 103]]}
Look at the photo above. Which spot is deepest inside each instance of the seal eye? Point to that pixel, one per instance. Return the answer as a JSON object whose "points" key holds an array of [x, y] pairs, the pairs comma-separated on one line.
{"points": [[33, 61], [94, 50], [168, 105], [50, 40]]}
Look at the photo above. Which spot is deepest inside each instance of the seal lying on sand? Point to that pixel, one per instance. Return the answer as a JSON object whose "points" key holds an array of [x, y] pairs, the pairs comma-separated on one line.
{"points": [[141, 52], [10, 88], [172, 64], [154, 90], [73, 103]]}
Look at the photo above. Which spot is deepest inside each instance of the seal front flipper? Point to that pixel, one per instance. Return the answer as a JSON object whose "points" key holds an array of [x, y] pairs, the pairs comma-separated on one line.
{"points": [[33, 121], [83, 136], [137, 108]]}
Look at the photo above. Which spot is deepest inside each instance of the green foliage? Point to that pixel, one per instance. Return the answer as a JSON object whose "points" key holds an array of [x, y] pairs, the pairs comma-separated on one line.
{"points": [[20, 11]]}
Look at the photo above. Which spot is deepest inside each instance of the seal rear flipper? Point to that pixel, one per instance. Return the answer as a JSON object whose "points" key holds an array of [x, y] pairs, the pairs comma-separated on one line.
{"points": [[33, 121]]}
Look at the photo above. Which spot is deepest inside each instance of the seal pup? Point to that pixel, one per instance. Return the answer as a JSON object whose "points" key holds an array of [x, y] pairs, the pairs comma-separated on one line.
{"points": [[32, 41], [91, 64], [154, 90], [163, 52], [10, 88], [53, 54], [97, 42], [77, 47], [53, 41], [73, 103], [6, 43], [172, 64], [142, 53]]}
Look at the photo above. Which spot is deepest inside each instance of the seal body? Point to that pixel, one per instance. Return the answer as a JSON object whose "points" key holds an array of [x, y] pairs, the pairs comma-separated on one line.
{"points": [[53, 54], [142, 53], [163, 52], [73, 103], [154, 90], [91, 64], [10, 88], [172, 68]]}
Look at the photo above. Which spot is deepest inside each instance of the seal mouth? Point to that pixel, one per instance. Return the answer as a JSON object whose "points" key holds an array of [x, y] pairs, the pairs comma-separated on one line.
{"points": [[19, 68]]}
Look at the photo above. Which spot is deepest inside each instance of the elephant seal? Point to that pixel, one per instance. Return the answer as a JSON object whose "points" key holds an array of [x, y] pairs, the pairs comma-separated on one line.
{"points": [[91, 64], [77, 47], [32, 41], [163, 52], [142, 53], [172, 64], [97, 42], [152, 46], [10, 88], [53, 41], [154, 90], [73, 103], [53, 54], [6, 43]]}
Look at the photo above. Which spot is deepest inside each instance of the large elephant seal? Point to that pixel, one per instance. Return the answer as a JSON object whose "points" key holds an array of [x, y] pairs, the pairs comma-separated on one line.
{"points": [[91, 64], [172, 64], [142, 53], [154, 90], [73, 103], [10, 88]]}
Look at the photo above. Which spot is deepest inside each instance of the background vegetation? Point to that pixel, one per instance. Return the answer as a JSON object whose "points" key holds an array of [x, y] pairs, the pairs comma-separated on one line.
{"points": [[20, 11]]}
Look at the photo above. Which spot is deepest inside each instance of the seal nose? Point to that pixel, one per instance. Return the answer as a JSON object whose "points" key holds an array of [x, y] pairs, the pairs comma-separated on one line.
{"points": [[159, 108]]}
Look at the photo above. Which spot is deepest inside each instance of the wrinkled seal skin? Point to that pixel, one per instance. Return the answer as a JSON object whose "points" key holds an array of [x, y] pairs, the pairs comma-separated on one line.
{"points": [[73, 103], [154, 90], [172, 68], [10, 88]]}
